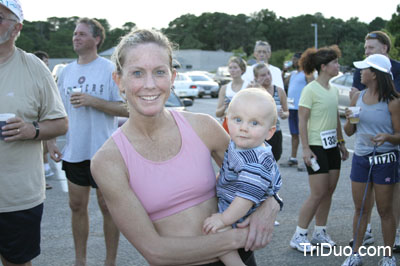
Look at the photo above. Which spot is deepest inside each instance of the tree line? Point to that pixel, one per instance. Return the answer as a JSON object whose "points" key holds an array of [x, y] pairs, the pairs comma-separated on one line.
{"points": [[233, 33]]}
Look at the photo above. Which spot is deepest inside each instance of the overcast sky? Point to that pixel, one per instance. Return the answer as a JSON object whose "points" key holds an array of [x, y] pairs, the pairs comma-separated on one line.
{"points": [[158, 13]]}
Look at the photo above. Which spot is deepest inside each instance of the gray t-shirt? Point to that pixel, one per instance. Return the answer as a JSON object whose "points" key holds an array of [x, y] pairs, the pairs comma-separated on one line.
{"points": [[88, 128]]}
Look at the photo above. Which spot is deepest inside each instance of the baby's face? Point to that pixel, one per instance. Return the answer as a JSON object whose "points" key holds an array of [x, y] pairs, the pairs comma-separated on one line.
{"points": [[249, 123]]}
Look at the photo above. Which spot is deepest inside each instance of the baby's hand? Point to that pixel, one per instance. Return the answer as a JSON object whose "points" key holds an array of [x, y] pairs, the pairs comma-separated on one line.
{"points": [[213, 223]]}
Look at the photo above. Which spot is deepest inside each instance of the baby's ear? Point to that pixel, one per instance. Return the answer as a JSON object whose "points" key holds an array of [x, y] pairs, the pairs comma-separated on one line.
{"points": [[271, 132]]}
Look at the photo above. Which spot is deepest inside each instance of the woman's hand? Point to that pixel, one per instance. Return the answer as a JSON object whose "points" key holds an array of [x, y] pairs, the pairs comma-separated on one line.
{"points": [[261, 225], [380, 138], [344, 152], [347, 113], [307, 154]]}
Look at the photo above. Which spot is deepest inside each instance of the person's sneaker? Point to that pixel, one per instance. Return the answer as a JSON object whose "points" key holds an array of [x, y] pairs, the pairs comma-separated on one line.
{"points": [[48, 172], [291, 162], [353, 260], [48, 186], [368, 239], [301, 168], [322, 238], [276, 223], [387, 261], [396, 245], [301, 243]]}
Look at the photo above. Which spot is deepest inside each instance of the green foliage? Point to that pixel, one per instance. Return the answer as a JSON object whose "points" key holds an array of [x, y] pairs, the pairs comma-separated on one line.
{"points": [[236, 33], [393, 26], [278, 57]]}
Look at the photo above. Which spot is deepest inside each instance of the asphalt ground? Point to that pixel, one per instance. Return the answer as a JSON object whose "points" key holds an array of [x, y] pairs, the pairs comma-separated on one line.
{"points": [[57, 243]]}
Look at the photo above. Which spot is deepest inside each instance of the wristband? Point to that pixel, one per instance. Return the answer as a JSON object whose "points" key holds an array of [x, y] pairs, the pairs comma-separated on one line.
{"points": [[36, 125], [279, 200], [341, 141]]}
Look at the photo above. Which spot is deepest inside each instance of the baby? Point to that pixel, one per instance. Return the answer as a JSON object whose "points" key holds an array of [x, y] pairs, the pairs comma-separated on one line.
{"points": [[249, 173]]}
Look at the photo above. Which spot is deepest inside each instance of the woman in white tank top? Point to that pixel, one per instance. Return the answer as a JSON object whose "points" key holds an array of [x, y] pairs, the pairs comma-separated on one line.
{"points": [[236, 67]]}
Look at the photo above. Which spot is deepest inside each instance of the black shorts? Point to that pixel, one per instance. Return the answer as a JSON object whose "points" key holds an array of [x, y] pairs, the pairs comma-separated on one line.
{"points": [[276, 144], [20, 234], [79, 173], [247, 257], [328, 159]]}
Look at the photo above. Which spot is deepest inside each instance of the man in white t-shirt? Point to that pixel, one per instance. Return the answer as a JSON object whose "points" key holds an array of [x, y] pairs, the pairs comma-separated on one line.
{"points": [[262, 53], [91, 99]]}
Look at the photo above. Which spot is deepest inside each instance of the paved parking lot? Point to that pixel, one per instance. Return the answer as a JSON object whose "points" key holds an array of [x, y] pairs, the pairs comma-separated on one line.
{"points": [[57, 243]]}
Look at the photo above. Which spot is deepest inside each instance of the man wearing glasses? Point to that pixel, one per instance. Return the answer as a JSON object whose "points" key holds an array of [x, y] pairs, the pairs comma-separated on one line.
{"points": [[29, 96], [262, 53], [378, 42]]}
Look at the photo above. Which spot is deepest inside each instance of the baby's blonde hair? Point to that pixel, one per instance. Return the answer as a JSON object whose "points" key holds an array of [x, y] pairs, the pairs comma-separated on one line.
{"points": [[259, 94]]}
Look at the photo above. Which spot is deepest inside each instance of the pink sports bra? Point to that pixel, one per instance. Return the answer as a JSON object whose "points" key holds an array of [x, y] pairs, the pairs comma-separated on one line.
{"points": [[168, 187]]}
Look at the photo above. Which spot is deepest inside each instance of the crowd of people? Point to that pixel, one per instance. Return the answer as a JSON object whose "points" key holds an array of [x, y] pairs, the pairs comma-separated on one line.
{"points": [[156, 169]]}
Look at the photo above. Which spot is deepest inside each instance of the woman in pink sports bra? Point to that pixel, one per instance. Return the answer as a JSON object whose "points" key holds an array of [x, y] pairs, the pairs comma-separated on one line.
{"points": [[155, 173]]}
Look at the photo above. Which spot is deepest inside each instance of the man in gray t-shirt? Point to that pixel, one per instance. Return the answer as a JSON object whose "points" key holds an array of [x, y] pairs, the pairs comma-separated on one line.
{"points": [[91, 99]]}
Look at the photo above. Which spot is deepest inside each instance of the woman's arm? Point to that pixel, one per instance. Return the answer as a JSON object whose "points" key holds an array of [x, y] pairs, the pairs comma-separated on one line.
{"points": [[349, 128], [304, 116], [285, 111], [221, 107], [394, 109], [111, 176], [342, 147]]}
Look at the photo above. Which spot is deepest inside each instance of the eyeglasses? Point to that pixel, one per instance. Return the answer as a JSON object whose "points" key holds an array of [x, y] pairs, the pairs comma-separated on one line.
{"points": [[10, 19]]}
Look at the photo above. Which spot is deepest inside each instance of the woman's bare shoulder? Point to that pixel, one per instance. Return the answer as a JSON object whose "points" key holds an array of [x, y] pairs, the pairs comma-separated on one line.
{"points": [[107, 158], [199, 120]]}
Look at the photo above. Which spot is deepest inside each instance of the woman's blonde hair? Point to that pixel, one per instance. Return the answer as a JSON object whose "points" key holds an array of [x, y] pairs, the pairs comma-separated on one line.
{"points": [[137, 37]]}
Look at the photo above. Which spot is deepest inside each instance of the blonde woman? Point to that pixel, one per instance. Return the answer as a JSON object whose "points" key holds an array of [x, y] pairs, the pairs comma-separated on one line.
{"points": [[236, 67]]}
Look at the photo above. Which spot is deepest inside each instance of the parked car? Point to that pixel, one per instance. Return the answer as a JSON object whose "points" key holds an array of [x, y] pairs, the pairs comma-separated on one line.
{"points": [[184, 87], [222, 76], [206, 85], [173, 102], [343, 82]]}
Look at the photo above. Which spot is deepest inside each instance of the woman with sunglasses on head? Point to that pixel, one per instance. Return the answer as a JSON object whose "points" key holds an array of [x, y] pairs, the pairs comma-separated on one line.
{"points": [[374, 169]]}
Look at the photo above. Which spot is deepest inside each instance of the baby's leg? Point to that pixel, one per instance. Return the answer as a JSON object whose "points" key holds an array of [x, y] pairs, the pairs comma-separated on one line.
{"points": [[232, 259]]}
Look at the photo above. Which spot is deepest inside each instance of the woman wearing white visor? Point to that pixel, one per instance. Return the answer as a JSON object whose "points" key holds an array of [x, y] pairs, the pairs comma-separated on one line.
{"points": [[375, 161]]}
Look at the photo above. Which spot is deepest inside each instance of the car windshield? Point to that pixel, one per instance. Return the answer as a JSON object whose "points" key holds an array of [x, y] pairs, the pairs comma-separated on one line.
{"points": [[199, 78], [173, 101]]}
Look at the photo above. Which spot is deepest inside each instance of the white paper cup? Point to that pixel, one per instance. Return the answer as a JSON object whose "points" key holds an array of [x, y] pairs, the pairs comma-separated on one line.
{"points": [[76, 89], [3, 118], [355, 116]]}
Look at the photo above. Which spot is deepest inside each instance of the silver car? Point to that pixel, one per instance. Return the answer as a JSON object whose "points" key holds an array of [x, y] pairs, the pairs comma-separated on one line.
{"points": [[343, 82], [205, 84]]}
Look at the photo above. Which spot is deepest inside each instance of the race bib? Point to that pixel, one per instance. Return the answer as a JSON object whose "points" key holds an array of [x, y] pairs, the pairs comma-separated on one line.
{"points": [[389, 157], [329, 139]]}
